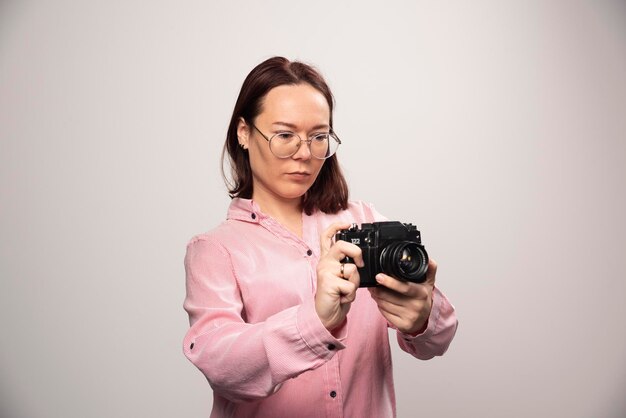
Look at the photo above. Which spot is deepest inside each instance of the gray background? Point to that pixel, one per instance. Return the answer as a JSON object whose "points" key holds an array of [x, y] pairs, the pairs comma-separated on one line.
{"points": [[497, 126]]}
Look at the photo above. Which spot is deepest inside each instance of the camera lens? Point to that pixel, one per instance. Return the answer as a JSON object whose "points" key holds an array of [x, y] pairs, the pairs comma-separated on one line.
{"points": [[405, 260]]}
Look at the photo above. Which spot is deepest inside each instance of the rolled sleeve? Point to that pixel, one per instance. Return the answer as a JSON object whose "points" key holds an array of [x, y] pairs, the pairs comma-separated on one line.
{"points": [[436, 338], [245, 361]]}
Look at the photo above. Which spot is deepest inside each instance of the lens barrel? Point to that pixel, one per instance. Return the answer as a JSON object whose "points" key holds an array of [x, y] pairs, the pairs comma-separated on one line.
{"points": [[405, 260]]}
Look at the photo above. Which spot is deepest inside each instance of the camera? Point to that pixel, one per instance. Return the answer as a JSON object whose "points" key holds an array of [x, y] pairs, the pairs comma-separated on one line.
{"points": [[391, 247]]}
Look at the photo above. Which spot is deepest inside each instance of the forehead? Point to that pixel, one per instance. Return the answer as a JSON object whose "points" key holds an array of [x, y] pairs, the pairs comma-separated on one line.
{"points": [[298, 104]]}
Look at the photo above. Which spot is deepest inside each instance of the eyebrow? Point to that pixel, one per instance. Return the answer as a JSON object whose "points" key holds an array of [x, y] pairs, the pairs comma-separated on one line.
{"points": [[294, 127]]}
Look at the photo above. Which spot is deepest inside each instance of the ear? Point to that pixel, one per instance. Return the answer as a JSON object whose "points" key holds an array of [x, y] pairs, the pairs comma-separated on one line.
{"points": [[243, 133]]}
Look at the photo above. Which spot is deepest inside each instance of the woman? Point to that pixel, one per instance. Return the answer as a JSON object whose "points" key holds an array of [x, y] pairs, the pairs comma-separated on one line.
{"points": [[279, 326]]}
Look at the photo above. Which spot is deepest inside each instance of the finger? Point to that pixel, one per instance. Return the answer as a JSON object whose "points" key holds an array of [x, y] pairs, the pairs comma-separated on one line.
{"points": [[408, 315], [326, 238], [393, 319], [343, 249], [407, 287], [432, 271], [389, 296], [396, 285], [347, 290], [351, 274], [389, 307], [346, 270], [404, 324]]}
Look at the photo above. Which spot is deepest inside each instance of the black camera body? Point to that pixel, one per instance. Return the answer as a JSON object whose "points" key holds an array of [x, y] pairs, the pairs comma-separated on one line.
{"points": [[391, 247]]}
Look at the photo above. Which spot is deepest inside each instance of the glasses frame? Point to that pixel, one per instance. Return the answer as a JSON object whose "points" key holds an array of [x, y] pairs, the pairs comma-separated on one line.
{"points": [[308, 141]]}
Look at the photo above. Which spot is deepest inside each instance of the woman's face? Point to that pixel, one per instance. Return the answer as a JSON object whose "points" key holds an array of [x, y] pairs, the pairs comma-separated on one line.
{"points": [[297, 108]]}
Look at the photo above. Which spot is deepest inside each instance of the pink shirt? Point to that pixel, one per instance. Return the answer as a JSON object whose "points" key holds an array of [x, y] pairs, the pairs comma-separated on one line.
{"points": [[258, 340]]}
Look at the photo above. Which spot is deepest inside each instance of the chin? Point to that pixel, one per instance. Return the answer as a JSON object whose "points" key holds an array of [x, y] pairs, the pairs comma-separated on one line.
{"points": [[294, 192]]}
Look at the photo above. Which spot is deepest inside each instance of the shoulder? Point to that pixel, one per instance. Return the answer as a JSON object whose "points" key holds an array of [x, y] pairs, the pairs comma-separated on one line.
{"points": [[358, 212], [217, 237], [364, 211]]}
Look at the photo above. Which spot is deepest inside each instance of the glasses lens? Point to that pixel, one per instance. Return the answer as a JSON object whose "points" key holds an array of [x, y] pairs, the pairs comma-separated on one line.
{"points": [[284, 144], [324, 146], [319, 146]]}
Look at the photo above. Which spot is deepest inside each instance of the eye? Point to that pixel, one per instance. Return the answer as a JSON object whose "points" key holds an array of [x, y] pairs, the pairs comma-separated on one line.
{"points": [[285, 136], [320, 137]]}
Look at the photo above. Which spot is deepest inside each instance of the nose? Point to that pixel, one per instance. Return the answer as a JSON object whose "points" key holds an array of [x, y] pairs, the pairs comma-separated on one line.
{"points": [[304, 150]]}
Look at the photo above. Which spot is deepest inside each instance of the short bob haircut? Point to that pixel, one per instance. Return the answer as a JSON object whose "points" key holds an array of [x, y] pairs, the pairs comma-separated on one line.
{"points": [[329, 192]]}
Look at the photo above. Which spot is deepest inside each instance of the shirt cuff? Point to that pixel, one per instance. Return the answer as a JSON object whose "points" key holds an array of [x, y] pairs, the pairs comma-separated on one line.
{"points": [[319, 340], [432, 320]]}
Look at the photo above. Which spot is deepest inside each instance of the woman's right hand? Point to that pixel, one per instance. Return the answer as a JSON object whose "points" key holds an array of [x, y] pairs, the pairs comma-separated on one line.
{"points": [[335, 293]]}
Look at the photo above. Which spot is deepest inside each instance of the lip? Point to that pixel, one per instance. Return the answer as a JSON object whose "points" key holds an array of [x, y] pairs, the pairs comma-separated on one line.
{"points": [[299, 175]]}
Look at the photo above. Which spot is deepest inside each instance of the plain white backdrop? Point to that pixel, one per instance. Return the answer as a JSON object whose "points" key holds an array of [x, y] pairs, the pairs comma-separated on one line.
{"points": [[498, 127]]}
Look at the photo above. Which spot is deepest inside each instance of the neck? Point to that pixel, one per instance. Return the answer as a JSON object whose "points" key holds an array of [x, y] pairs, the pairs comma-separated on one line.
{"points": [[286, 211]]}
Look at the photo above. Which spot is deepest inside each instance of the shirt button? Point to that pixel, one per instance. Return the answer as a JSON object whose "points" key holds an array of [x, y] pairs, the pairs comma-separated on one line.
{"points": [[191, 346], [333, 394], [331, 346], [253, 216], [309, 252]]}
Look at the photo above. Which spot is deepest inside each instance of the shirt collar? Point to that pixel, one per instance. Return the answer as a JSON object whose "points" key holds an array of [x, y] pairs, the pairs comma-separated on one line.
{"points": [[245, 210]]}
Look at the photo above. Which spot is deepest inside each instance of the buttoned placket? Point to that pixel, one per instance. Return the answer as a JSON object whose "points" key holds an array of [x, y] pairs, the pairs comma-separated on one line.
{"points": [[292, 239], [333, 394]]}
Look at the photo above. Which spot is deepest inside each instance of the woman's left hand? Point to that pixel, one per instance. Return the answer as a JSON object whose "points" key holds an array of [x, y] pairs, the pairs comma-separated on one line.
{"points": [[405, 305]]}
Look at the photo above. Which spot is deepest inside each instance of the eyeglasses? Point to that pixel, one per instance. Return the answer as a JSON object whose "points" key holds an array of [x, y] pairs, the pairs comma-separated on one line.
{"points": [[285, 144]]}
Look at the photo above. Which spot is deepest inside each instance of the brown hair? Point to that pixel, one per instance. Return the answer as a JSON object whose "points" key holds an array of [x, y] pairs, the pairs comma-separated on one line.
{"points": [[329, 192]]}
